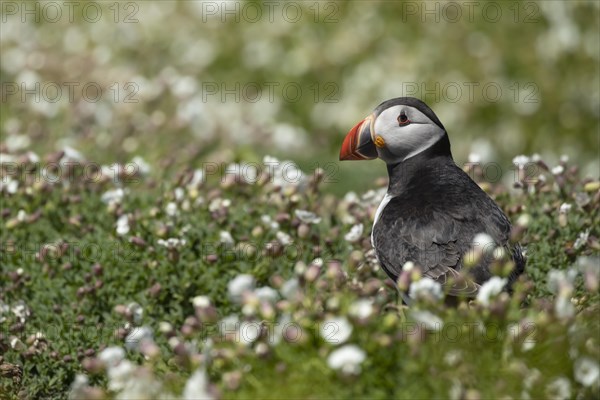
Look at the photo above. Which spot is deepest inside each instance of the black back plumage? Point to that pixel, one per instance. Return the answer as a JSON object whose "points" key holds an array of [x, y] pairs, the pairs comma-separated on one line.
{"points": [[435, 212]]}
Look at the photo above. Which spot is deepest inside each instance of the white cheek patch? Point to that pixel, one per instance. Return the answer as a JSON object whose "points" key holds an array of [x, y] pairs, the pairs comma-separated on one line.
{"points": [[402, 142], [424, 137]]}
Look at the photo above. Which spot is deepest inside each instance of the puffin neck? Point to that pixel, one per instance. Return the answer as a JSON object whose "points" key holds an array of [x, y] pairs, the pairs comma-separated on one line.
{"points": [[403, 172]]}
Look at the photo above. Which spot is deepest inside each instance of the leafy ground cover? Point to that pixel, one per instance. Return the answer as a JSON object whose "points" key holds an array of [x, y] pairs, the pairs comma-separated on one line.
{"points": [[117, 285]]}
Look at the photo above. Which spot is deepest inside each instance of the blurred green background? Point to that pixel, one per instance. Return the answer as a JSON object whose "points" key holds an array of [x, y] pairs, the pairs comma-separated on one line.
{"points": [[184, 83]]}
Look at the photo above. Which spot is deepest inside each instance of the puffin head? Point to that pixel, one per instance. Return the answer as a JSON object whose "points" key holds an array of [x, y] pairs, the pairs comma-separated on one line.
{"points": [[397, 130]]}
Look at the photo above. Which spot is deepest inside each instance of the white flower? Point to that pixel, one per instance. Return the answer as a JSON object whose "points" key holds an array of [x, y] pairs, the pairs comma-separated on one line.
{"points": [[559, 389], [137, 335], [111, 171], [179, 193], [14, 143], [428, 319], [290, 288], [535, 157], [317, 262], [111, 356], [141, 165], [21, 215], [165, 327], [374, 197], [226, 238], [456, 390], [355, 233], [33, 157], [201, 301], [474, 158], [171, 243], [80, 383], [307, 217], [7, 158], [564, 158], [10, 184], [143, 386], [268, 221], [288, 174], [336, 330], [70, 154], [239, 285], [565, 208], [528, 345], [12, 187], [582, 239], [196, 387], [563, 306], [21, 311], [452, 358], [559, 278], [248, 332], [541, 178], [229, 324], [532, 376], [267, 294], [490, 289], [425, 288], [171, 209], [197, 179], [123, 225], [483, 240], [114, 196], [483, 244], [270, 160], [347, 359], [521, 161], [284, 238], [285, 321], [119, 375], [351, 198], [17, 344], [524, 220], [4, 309], [283, 173], [587, 371], [561, 283], [214, 205], [588, 264], [559, 169], [408, 266], [361, 309]]}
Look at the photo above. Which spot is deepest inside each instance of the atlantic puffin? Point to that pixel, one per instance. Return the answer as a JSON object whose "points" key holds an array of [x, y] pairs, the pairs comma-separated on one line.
{"points": [[433, 210]]}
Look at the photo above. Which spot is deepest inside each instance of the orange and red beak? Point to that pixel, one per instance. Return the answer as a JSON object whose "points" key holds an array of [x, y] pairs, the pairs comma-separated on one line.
{"points": [[358, 144]]}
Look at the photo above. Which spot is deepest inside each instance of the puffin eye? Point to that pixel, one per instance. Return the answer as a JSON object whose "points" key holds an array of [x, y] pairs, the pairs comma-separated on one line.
{"points": [[403, 119]]}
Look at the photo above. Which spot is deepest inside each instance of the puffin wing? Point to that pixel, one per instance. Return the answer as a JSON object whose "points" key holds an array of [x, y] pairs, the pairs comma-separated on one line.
{"points": [[434, 239]]}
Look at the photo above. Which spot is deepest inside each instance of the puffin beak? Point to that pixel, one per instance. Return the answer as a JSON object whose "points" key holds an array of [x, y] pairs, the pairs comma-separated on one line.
{"points": [[358, 144]]}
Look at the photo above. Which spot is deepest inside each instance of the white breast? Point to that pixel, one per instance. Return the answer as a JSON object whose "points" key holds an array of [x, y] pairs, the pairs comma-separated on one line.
{"points": [[384, 202]]}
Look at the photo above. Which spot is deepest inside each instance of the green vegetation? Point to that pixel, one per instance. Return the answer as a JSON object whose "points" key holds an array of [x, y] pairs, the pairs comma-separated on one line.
{"points": [[182, 84], [171, 272]]}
